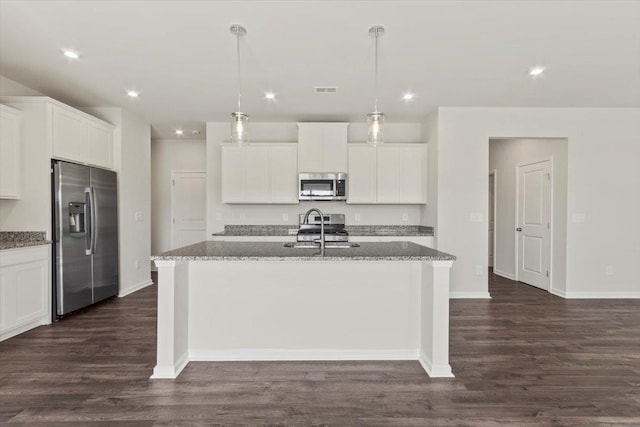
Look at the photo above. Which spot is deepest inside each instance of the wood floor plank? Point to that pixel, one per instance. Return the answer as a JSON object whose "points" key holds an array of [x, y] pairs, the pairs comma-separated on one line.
{"points": [[524, 358]]}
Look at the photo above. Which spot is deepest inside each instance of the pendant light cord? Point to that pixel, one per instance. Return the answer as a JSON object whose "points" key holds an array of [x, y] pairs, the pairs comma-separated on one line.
{"points": [[239, 75], [375, 105]]}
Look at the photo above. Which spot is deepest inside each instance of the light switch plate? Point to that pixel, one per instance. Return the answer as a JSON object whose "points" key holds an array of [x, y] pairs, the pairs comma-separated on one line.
{"points": [[138, 216], [357, 217]]}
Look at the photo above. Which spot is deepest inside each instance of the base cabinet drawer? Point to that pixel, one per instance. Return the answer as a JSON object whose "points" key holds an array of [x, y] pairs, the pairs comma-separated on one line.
{"points": [[25, 297]]}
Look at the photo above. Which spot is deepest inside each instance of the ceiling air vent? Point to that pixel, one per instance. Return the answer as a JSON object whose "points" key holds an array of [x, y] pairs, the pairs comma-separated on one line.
{"points": [[325, 89]]}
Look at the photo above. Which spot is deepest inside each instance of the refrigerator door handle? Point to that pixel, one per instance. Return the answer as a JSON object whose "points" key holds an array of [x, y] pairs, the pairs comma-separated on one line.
{"points": [[90, 231]]}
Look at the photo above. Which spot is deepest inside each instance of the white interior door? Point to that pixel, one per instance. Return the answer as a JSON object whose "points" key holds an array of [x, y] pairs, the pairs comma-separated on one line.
{"points": [[188, 207], [534, 224], [492, 222]]}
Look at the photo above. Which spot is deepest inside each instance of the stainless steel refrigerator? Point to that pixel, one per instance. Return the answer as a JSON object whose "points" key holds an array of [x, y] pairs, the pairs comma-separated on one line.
{"points": [[85, 236]]}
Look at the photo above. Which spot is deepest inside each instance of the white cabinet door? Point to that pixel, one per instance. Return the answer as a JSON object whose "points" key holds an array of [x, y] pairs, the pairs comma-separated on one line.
{"points": [[69, 135], [10, 152], [99, 145], [334, 155], [310, 147], [24, 290], [413, 177], [362, 174], [388, 177], [322, 147], [257, 186], [402, 173], [259, 173], [284, 174], [233, 176]]}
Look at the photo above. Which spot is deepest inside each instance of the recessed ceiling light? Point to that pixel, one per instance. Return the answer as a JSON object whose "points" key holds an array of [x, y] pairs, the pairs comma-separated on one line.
{"points": [[132, 94], [537, 70], [408, 96], [179, 132], [195, 132], [270, 95], [70, 53]]}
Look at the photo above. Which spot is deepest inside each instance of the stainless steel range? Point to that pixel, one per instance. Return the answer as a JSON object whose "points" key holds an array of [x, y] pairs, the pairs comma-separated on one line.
{"points": [[333, 228]]}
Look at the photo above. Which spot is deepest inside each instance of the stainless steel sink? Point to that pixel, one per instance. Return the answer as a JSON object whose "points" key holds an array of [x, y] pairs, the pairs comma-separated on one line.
{"points": [[328, 245]]}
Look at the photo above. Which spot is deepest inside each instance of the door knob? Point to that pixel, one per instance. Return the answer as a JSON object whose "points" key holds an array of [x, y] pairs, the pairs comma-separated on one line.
{"points": [[519, 229]]}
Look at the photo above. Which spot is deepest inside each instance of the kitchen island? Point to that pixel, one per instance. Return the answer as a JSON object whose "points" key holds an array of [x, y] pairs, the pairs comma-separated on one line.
{"points": [[224, 301]]}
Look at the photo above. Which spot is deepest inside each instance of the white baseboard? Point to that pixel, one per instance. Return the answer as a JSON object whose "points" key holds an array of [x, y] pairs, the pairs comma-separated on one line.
{"points": [[558, 293], [132, 289], [298, 355], [503, 274], [169, 371], [25, 326], [435, 371], [599, 295], [469, 295]]}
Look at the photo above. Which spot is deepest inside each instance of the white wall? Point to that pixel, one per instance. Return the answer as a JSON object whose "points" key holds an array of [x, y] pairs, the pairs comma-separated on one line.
{"points": [[273, 214], [429, 212], [169, 155], [603, 183], [133, 162], [10, 87], [504, 156]]}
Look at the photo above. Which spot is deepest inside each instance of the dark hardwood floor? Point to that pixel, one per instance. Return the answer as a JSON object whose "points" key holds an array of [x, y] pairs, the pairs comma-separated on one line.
{"points": [[524, 358]]}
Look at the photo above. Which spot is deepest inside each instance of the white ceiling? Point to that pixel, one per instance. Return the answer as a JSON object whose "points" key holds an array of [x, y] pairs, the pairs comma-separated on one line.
{"points": [[181, 56]]}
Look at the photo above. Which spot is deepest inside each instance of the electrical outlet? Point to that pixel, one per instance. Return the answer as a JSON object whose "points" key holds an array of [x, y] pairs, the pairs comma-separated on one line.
{"points": [[138, 217], [218, 216], [478, 270], [405, 216], [243, 217], [578, 218], [285, 217], [357, 217], [476, 217], [608, 270]]}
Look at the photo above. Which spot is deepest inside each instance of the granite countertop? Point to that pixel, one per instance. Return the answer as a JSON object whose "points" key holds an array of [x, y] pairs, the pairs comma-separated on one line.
{"points": [[21, 239], [275, 251], [354, 230]]}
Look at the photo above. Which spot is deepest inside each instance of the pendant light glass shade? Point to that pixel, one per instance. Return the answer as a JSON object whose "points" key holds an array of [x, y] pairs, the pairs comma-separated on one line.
{"points": [[375, 120], [239, 127], [239, 121]]}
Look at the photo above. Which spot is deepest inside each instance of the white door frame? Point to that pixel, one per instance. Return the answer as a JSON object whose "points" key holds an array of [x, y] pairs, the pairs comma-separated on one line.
{"points": [[494, 172], [551, 217], [174, 175]]}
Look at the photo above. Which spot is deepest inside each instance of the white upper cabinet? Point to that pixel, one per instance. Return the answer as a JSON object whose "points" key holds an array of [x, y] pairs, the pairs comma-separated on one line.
{"points": [[10, 153], [322, 147], [80, 138], [259, 173], [362, 175], [388, 174], [99, 145]]}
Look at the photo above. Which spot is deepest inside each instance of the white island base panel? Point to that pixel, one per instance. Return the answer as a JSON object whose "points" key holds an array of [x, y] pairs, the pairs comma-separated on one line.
{"points": [[297, 310]]}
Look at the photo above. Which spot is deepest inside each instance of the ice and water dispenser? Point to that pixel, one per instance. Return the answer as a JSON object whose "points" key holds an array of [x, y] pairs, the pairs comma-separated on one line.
{"points": [[77, 212]]}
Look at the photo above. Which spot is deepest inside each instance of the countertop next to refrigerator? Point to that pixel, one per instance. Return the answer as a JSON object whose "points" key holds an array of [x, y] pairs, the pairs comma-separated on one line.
{"points": [[21, 239]]}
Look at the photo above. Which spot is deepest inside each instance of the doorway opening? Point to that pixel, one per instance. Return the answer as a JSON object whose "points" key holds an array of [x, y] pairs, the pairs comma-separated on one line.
{"points": [[528, 210]]}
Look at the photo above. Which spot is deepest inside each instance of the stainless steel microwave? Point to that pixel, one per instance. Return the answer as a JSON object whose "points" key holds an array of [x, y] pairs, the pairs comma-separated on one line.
{"points": [[322, 186]]}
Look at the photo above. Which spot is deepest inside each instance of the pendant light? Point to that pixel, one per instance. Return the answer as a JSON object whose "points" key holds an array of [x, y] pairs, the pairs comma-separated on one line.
{"points": [[240, 120], [375, 120]]}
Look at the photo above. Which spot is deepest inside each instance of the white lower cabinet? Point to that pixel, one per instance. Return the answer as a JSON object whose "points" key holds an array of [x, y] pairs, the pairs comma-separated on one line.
{"points": [[25, 291], [259, 173], [388, 174]]}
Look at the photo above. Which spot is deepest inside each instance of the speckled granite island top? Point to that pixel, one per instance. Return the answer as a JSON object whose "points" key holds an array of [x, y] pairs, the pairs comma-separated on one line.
{"points": [[354, 230], [275, 251], [21, 239]]}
